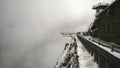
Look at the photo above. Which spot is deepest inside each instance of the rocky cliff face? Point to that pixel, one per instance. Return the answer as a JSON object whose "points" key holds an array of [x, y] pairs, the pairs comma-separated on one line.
{"points": [[69, 57]]}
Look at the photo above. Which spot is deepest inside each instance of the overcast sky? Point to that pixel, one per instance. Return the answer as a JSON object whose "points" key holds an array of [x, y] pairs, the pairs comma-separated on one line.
{"points": [[30, 29]]}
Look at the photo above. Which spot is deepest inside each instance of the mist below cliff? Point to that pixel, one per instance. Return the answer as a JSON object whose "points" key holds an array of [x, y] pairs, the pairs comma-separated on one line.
{"points": [[30, 30]]}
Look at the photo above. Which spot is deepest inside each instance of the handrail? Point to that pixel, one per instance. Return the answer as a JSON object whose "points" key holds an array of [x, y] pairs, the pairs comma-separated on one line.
{"points": [[113, 46]]}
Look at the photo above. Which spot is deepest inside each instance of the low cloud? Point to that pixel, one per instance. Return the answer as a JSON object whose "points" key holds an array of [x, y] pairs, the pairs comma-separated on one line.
{"points": [[29, 30]]}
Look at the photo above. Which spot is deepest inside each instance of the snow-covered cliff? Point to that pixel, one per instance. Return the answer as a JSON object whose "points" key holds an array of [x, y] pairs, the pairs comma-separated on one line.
{"points": [[75, 55], [69, 57]]}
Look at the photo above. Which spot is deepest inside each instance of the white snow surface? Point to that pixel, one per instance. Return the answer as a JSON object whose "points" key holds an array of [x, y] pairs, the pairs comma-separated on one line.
{"points": [[85, 59]]}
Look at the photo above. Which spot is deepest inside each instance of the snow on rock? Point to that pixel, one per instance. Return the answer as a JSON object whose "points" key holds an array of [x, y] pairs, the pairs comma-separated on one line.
{"points": [[69, 57], [75, 55]]}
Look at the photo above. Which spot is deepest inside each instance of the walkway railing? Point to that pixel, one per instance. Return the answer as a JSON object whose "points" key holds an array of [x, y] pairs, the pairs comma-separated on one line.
{"points": [[113, 46], [104, 58]]}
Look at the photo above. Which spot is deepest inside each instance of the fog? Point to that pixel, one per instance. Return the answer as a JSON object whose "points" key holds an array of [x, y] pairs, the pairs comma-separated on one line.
{"points": [[30, 30]]}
